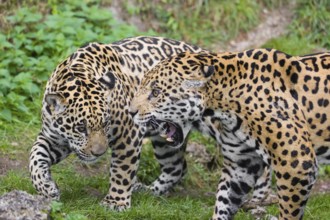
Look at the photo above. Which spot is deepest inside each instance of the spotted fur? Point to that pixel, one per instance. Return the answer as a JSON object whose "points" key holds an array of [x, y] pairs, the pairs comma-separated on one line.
{"points": [[266, 108], [85, 111]]}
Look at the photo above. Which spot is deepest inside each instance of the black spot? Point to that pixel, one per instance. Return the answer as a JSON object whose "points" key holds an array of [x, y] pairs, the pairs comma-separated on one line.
{"points": [[294, 94], [108, 80], [303, 192], [125, 182], [285, 152], [121, 146], [234, 186], [294, 153], [286, 176], [307, 77], [124, 167], [294, 164], [285, 198], [249, 53], [245, 187], [236, 201], [132, 175], [321, 150], [295, 181], [256, 55], [208, 112], [295, 198], [294, 78], [282, 62], [295, 212], [248, 100], [134, 159], [307, 164]]}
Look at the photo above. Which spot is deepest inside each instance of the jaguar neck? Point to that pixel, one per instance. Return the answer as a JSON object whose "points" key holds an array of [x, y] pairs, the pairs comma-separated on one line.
{"points": [[238, 73]]}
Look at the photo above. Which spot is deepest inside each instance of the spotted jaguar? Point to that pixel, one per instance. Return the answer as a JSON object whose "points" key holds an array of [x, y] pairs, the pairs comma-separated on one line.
{"points": [[266, 108], [85, 111]]}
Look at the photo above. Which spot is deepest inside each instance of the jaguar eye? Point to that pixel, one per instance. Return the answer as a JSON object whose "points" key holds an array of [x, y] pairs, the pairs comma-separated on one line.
{"points": [[81, 128], [155, 92]]}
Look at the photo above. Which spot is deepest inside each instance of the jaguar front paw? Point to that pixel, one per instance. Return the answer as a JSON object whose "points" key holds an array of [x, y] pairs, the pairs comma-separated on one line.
{"points": [[118, 206], [49, 190], [139, 187]]}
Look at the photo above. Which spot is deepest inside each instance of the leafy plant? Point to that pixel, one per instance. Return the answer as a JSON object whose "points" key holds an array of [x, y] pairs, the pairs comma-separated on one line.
{"points": [[35, 43]]}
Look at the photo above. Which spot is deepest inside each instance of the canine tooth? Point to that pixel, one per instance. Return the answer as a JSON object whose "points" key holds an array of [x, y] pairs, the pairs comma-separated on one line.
{"points": [[170, 139], [163, 135]]}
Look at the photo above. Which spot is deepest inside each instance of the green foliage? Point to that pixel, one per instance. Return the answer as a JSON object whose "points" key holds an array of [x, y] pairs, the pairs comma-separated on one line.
{"points": [[35, 43]]}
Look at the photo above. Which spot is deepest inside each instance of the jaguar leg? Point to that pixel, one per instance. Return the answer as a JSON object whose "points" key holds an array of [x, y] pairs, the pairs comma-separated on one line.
{"points": [[263, 186], [294, 186], [124, 165], [45, 153], [237, 179], [295, 174], [172, 163]]}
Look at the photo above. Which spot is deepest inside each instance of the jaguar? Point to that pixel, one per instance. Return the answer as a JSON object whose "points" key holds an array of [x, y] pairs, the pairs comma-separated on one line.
{"points": [[85, 112], [264, 107]]}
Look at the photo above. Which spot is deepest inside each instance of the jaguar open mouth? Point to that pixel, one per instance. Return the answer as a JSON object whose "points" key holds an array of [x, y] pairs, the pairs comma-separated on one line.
{"points": [[87, 159], [172, 132]]}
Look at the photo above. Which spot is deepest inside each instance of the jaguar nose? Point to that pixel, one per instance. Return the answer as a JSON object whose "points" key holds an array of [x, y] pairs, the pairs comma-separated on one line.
{"points": [[98, 152], [133, 113]]}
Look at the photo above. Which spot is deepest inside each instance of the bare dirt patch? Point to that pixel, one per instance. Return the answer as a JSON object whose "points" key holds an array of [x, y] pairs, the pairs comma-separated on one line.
{"points": [[8, 164], [274, 24], [321, 186], [120, 14]]}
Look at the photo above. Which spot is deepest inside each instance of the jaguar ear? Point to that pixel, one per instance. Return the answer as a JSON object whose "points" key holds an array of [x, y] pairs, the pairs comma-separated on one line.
{"points": [[108, 80], [55, 102], [201, 79]]}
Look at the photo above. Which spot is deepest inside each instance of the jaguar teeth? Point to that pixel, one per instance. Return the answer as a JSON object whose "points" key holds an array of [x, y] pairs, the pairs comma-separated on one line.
{"points": [[163, 135], [169, 139]]}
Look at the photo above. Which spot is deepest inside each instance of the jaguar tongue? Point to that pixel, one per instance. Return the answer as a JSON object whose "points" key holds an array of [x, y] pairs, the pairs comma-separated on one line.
{"points": [[170, 132]]}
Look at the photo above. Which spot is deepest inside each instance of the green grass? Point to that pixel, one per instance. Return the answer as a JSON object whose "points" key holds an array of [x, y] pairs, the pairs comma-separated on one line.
{"points": [[201, 22], [81, 195], [84, 186], [309, 30]]}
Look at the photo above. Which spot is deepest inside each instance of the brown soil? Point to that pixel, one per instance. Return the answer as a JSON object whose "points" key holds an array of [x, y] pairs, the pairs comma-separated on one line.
{"points": [[273, 25], [8, 163]]}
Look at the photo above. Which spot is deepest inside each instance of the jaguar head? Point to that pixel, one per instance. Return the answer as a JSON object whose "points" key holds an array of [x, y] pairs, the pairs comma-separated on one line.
{"points": [[172, 95], [76, 109]]}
